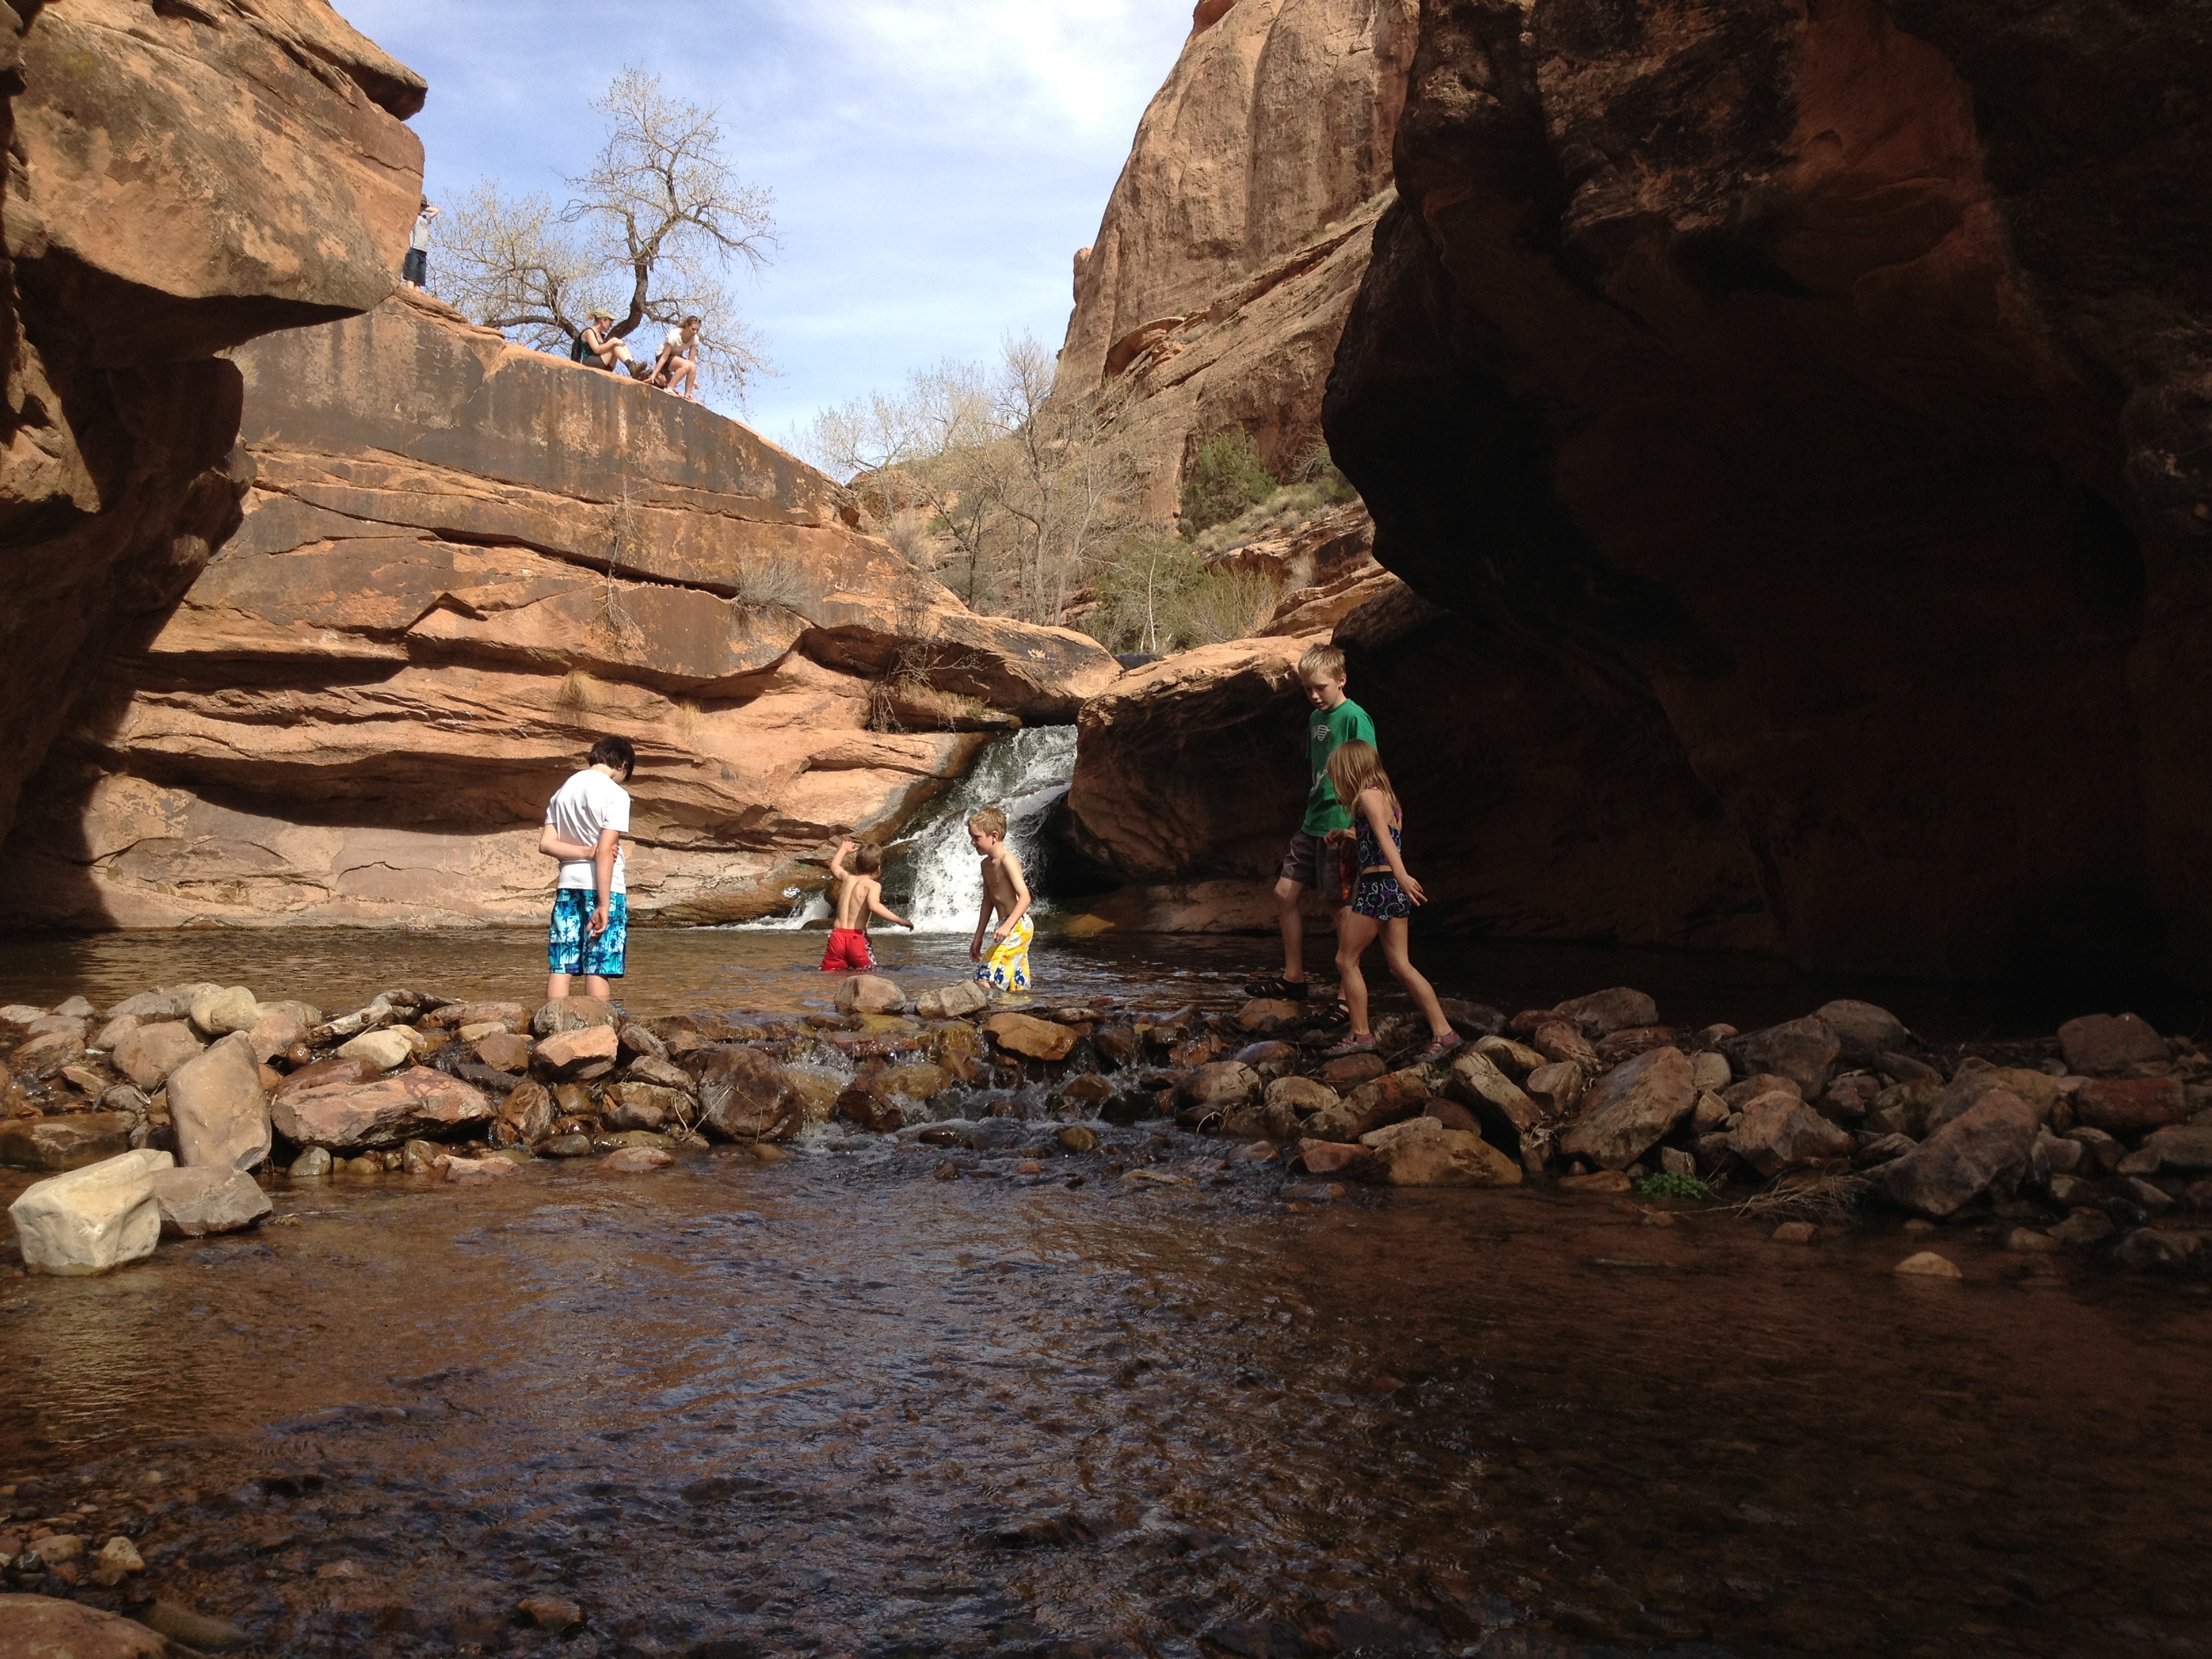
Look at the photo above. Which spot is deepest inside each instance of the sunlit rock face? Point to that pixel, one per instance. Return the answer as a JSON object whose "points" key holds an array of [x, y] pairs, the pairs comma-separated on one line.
{"points": [[1818, 398], [1230, 251], [459, 561], [180, 179]]}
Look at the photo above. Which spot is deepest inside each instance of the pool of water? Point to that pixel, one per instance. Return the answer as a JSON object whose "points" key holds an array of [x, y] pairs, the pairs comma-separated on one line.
{"points": [[837, 1406], [686, 970]]}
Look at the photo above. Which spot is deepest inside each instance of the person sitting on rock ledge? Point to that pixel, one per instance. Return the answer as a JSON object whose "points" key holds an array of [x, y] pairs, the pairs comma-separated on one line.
{"points": [[589, 933], [859, 896], [677, 368], [1382, 899], [597, 346]]}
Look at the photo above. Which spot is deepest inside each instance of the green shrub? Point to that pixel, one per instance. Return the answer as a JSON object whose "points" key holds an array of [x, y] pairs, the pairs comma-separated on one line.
{"points": [[1137, 590], [1224, 604], [1667, 1184], [1225, 476]]}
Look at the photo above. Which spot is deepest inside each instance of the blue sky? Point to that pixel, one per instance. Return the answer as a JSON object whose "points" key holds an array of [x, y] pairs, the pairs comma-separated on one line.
{"points": [[936, 164]]}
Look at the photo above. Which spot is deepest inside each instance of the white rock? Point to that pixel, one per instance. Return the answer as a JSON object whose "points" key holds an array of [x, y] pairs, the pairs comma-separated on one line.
{"points": [[91, 1219], [22, 1013], [218, 1013], [386, 1049]]}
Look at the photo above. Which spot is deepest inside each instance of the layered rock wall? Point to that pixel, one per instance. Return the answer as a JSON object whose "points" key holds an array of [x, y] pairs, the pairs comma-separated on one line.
{"points": [[1835, 383], [1230, 251], [459, 561], [180, 179]]}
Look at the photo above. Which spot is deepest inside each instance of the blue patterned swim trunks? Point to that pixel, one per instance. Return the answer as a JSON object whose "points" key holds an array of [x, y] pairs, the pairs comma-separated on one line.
{"points": [[566, 949]]}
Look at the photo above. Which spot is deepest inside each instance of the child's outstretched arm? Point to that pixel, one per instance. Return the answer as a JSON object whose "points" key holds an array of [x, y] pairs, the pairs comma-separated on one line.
{"points": [[878, 908], [1375, 806], [1013, 868]]}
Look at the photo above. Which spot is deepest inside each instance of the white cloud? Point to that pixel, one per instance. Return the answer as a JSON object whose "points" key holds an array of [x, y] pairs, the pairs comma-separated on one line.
{"points": [[935, 162]]}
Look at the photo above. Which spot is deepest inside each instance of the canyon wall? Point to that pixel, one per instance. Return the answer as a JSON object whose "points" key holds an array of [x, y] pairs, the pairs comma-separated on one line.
{"points": [[180, 179], [1833, 383], [460, 560], [1232, 245]]}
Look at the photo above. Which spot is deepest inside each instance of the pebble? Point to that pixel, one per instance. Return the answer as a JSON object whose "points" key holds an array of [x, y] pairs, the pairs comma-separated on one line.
{"points": [[1797, 1232], [553, 1613], [1928, 1265], [120, 1553]]}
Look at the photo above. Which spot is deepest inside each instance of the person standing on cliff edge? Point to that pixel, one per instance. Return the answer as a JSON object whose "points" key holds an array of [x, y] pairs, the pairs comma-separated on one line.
{"points": [[1313, 859], [589, 934], [416, 271]]}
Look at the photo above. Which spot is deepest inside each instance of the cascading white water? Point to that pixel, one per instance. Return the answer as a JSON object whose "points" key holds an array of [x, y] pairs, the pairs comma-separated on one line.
{"points": [[1024, 775]]}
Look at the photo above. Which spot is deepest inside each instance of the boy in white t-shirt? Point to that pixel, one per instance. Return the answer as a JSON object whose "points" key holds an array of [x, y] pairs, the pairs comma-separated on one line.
{"points": [[583, 826]]}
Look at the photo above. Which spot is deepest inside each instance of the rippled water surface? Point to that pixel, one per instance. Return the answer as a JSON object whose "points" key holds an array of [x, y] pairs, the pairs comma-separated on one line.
{"points": [[838, 1405]]}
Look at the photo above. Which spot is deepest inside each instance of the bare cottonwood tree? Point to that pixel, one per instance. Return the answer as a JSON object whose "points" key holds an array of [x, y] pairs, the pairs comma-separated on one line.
{"points": [[1028, 490], [649, 231]]}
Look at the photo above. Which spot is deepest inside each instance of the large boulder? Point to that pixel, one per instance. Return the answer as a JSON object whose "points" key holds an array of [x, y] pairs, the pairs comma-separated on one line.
{"points": [[871, 993], [2130, 1106], [417, 1103], [43, 1628], [745, 1096], [1422, 1152], [222, 1115], [1601, 1012], [1627, 1111], [1985, 1145], [69, 1142], [1864, 1030], [1802, 1050], [196, 1202], [149, 1054], [1391, 1099], [2106, 1045], [92, 1220]]}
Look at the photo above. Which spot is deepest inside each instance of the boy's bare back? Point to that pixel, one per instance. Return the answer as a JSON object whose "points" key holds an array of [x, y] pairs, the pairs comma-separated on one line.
{"points": [[854, 897]]}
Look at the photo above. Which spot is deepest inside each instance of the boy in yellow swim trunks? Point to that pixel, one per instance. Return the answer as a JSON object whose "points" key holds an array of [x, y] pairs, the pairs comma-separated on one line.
{"points": [[1006, 895]]}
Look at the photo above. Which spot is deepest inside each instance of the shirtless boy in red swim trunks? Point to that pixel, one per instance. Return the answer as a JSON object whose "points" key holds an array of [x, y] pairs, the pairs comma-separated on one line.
{"points": [[859, 896]]}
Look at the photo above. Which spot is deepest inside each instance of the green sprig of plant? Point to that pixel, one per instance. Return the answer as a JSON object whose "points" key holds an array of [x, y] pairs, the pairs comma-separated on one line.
{"points": [[1667, 1184]]}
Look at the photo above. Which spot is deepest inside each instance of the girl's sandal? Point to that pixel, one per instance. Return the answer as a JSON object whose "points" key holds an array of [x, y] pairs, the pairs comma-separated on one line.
{"points": [[1275, 988], [1440, 1048], [1349, 1046]]}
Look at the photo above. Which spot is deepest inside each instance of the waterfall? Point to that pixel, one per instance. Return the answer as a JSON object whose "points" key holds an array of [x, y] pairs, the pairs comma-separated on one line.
{"points": [[1024, 775]]}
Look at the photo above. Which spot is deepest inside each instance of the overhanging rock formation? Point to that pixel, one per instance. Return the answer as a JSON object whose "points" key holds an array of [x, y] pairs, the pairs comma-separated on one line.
{"points": [[459, 561], [1834, 385], [180, 179]]}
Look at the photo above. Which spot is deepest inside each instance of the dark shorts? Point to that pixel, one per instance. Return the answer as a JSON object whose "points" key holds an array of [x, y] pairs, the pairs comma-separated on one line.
{"points": [[1312, 862], [416, 268], [1379, 896], [568, 950]]}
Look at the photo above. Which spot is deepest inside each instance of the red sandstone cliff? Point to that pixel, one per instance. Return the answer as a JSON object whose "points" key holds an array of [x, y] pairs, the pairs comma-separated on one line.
{"points": [[180, 179], [460, 560]]}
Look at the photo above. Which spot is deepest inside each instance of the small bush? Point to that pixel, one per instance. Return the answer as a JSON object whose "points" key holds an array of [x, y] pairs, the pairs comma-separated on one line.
{"points": [[1224, 604], [1225, 476], [772, 584], [1667, 1184], [1138, 590]]}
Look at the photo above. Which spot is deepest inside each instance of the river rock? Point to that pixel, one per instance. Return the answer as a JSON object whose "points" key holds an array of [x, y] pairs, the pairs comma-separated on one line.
{"points": [[504, 1050], [2106, 1045], [92, 1220], [41, 1627], [1778, 1132], [1603, 1013], [2130, 1106], [1556, 1087], [1863, 1032], [569, 1053], [1262, 1012], [324, 1074], [869, 993], [1332, 1156], [1976, 1078], [642, 1106], [276, 1030], [1986, 1144], [662, 1074], [963, 998], [1303, 1095], [1802, 1050], [1038, 1039], [1515, 1060], [915, 1080], [1928, 1265], [1217, 1088], [637, 1040], [637, 1160], [114, 1032], [44, 1055], [1709, 1072], [526, 1113], [387, 1112], [2185, 1147], [1352, 1070], [1387, 1099], [217, 1013], [314, 1164], [69, 1142], [212, 1199], [173, 1003], [1270, 1060], [386, 1050], [866, 1103], [817, 1093], [1562, 1043], [745, 1096], [569, 1014], [1626, 1112], [216, 1102], [1477, 1082], [1422, 1152]]}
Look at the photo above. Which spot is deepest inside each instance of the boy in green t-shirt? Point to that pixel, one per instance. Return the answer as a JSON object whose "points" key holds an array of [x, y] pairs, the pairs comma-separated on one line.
{"points": [[1312, 859]]}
